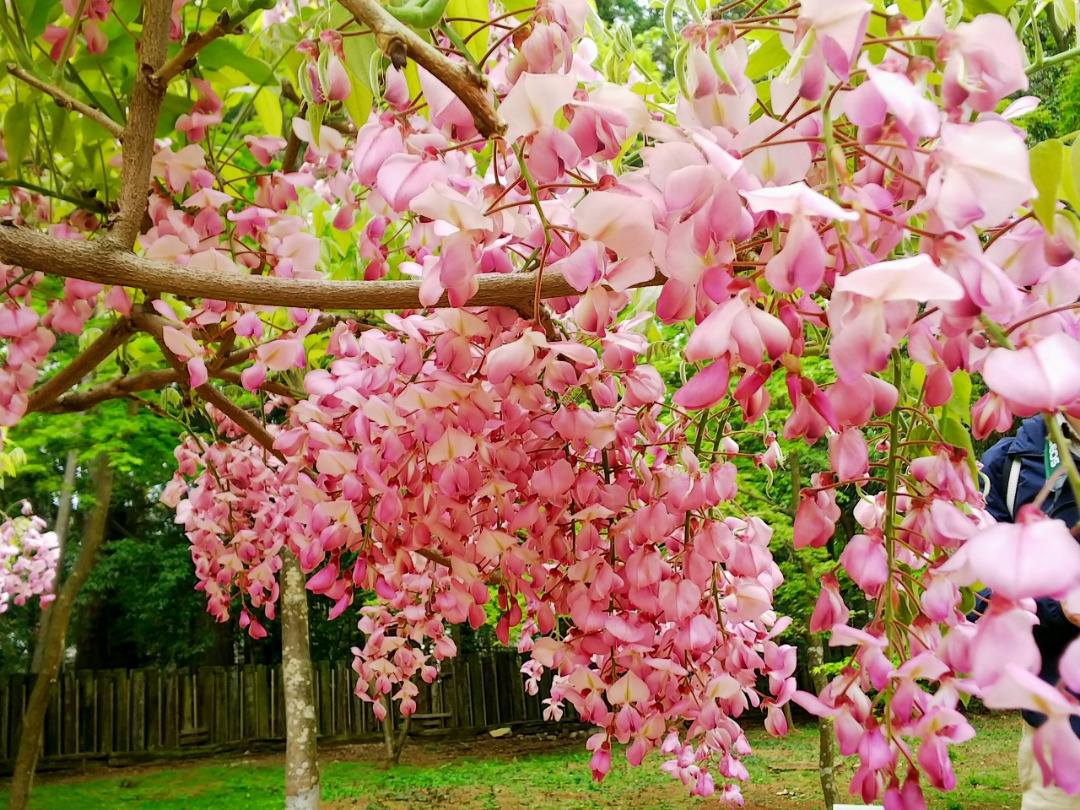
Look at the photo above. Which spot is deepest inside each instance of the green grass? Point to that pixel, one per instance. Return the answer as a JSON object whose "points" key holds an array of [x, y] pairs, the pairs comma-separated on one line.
{"points": [[517, 774]]}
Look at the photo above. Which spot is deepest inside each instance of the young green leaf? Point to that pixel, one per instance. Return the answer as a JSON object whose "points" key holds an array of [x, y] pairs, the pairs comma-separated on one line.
{"points": [[1047, 165]]}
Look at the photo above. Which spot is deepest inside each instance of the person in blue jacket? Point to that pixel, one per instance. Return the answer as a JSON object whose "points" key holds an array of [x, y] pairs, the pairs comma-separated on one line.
{"points": [[1017, 468]]}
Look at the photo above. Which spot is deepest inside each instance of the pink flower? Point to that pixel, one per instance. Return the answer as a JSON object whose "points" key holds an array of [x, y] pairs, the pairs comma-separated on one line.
{"points": [[533, 102], [841, 26], [264, 147], [848, 455], [866, 561], [984, 63], [621, 222], [706, 388], [830, 609], [815, 520], [1033, 557], [983, 176], [1042, 377]]}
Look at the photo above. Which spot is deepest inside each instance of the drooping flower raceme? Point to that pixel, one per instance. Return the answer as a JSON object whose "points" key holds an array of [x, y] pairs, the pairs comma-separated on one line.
{"points": [[28, 560], [856, 203]]}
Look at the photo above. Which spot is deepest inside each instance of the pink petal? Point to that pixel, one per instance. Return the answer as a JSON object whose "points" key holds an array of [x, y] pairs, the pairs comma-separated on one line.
{"points": [[706, 388], [197, 373], [181, 343], [623, 223], [1043, 377], [797, 199], [867, 562], [849, 455], [914, 278], [534, 101], [1033, 558]]}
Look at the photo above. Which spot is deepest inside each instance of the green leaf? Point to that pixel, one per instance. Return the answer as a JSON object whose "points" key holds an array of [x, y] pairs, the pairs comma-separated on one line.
{"points": [[1071, 178], [362, 57], [359, 101], [315, 115], [967, 600], [917, 376], [976, 7], [62, 137], [222, 53], [954, 432], [268, 108], [1047, 166], [473, 9], [358, 52], [920, 440], [912, 9], [960, 403], [17, 134], [770, 55], [35, 15]]}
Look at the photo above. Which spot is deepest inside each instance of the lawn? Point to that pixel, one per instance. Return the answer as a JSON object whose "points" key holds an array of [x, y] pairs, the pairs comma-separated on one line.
{"points": [[513, 774]]}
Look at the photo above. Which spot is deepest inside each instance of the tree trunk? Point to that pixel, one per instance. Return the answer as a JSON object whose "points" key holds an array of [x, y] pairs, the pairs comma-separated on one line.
{"points": [[33, 724], [63, 522], [302, 785], [394, 747], [815, 655]]}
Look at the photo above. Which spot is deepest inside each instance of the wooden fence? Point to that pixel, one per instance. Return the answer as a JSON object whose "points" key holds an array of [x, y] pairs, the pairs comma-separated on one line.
{"points": [[102, 713]]}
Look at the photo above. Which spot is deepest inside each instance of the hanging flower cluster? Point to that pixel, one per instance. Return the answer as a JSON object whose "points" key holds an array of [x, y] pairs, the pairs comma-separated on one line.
{"points": [[864, 199], [453, 452], [28, 560], [229, 497], [461, 449]]}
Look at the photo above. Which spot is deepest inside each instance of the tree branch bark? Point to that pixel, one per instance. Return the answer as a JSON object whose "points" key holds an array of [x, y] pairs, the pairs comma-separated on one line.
{"points": [[96, 262], [66, 100], [74, 401], [461, 78], [146, 99], [223, 26], [154, 325], [246, 421], [303, 785], [61, 527], [45, 395]]}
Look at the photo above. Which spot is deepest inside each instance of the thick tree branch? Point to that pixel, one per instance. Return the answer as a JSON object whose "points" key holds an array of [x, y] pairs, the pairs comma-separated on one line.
{"points": [[84, 400], [154, 326], [244, 420], [46, 394], [467, 83], [146, 99], [96, 262], [268, 387], [67, 101]]}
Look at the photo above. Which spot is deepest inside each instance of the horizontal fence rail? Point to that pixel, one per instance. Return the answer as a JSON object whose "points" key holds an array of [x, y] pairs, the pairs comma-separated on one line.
{"points": [[105, 713]]}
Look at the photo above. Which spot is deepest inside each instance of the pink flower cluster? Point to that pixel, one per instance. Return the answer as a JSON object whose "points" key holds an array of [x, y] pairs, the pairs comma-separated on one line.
{"points": [[464, 448], [28, 560], [233, 509], [455, 450], [872, 202]]}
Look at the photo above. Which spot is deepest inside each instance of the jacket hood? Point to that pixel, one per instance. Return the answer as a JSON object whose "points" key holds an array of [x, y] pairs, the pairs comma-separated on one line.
{"points": [[1030, 440]]}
